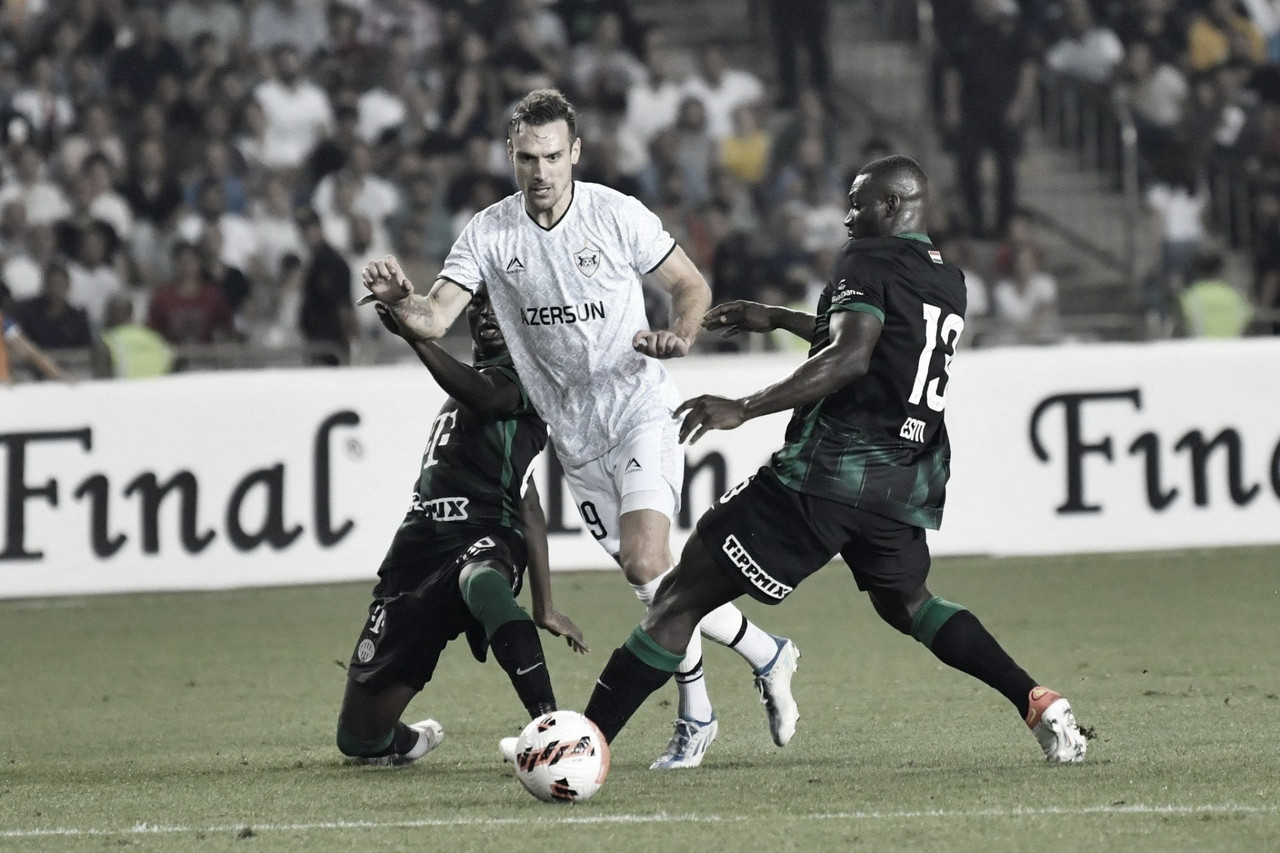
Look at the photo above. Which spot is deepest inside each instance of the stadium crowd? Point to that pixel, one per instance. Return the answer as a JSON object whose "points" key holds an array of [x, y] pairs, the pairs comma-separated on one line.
{"points": [[190, 173]]}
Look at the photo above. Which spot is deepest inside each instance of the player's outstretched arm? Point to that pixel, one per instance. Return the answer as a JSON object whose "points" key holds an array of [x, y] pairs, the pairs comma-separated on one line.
{"points": [[690, 297], [846, 359], [419, 317], [742, 316], [489, 392], [534, 523]]}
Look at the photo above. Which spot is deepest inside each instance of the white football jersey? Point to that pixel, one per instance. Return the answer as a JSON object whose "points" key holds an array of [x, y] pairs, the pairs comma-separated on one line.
{"points": [[569, 301]]}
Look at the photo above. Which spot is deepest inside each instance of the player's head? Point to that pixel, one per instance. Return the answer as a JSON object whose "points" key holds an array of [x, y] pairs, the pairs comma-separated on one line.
{"points": [[889, 196], [487, 341], [543, 145]]}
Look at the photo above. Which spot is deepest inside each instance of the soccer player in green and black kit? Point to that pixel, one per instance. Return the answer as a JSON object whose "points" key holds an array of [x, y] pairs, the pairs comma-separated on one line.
{"points": [[458, 559], [862, 472]]}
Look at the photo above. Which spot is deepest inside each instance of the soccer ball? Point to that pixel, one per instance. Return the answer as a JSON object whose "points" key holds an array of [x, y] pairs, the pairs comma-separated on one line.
{"points": [[562, 757]]}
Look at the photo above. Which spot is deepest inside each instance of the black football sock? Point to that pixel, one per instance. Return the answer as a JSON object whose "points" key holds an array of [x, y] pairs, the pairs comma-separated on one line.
{"points": [[634, 671], [404, 739], [350, 745], [959, 640], [518, 650]]}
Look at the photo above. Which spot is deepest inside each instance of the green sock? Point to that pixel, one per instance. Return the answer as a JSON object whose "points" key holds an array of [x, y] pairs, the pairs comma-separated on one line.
{"points": [[349, 744], [489, 598]]}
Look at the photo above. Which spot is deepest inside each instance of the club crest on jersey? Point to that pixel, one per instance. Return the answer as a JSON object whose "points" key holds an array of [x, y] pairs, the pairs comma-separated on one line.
{"points": [[588, 260]]}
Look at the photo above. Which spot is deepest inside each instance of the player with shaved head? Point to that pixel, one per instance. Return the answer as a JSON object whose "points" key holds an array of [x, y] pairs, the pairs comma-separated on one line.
{"points": [[862, 471]]}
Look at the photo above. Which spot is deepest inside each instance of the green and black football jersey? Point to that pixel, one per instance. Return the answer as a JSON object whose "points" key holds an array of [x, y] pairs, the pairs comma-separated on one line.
{"points": [[879, 443], [474, 467]]}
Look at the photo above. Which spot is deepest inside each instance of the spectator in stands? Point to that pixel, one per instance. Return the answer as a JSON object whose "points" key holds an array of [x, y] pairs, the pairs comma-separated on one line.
{"points": [[94, 134], [381, 109], [810, 120], [93, 272], [603, 69], [1179, 210], [220, 167], [26, 260], [327, 316], [127, 349], [722, 89], [49, 111], [800, 26], [272, 316], [745, 152], [239, 242], [44, 199], [1159, 25], [469, 93], [186, 19], [695, 150], [1211, 306], [272, 221], [419, 19], [296, 22], [155, 200], [190, 309], [989, 77], [297, 111], [50, 320], [134, 70], [1087, 51], [1156, 93], [17, 349], [582, 16], [372, 196], [1218, 34], [652, 103], [1026, 303], [232, 281]]}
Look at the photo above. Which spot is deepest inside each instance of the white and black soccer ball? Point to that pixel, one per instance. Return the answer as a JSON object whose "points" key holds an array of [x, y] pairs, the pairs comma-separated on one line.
{"points": [[562, 757]]}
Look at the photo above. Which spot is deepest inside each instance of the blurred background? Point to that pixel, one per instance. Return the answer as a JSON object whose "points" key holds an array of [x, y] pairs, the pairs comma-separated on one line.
{"points": [[196, 185]]}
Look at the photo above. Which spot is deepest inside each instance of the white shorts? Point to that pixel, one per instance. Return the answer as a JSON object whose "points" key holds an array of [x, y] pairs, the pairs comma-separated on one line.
{"points": [[644, 471]]}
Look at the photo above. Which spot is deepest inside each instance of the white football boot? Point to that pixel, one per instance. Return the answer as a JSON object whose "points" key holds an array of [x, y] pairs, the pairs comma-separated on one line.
{"points": [[774, 684], [507, 749], [430, 735], [688, 745], [1052, 722]]}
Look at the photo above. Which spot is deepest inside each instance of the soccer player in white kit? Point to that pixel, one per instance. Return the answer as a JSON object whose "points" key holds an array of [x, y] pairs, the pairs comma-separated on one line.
{"points": [[562, 261]]}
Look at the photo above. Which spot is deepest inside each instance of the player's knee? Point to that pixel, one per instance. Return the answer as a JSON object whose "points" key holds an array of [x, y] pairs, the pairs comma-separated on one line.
{"points": [[642, 568]]}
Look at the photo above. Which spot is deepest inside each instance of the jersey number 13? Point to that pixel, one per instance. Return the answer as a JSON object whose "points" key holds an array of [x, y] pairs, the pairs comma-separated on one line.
{"points": [[937, 330]]}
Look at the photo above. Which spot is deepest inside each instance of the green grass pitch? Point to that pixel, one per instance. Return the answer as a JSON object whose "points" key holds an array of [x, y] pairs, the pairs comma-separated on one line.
{"points": [[204, 721]]}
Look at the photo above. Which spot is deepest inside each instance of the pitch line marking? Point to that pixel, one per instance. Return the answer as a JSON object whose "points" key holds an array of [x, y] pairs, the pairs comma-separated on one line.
{"points": [[661, 817]]}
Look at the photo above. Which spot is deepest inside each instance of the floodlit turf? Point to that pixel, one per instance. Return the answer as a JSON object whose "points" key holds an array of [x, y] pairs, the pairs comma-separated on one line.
{"points": [[205, 721]]}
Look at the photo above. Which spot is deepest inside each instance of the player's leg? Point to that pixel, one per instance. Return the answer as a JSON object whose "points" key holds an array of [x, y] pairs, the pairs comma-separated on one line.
{"points": [[486, 587], [891, 562], [651, 655], [650, 472], [392, 660]]}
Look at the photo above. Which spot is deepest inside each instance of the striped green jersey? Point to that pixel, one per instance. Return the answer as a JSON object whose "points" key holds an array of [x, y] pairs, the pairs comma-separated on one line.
{"points": [[475, 466], [880, 443]]}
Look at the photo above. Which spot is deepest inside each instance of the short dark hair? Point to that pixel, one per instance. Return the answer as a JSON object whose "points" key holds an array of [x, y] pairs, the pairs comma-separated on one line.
{"points": [[894, 166], [541, 107]]}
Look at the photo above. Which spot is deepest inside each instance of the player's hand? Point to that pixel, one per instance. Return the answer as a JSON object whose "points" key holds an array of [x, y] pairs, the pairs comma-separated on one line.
{"points": [[739, 316], [385, 282], [709, 412], [559, 625], [660, 344], [388, 319]]}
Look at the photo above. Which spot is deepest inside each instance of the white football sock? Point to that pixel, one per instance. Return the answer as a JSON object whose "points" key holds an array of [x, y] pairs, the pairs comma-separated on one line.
{"points": [[695, 702], [728, 626]]}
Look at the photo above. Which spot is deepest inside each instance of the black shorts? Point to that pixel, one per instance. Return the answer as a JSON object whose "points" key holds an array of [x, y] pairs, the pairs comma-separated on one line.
{"points": [[769, 538], [417, 606]]}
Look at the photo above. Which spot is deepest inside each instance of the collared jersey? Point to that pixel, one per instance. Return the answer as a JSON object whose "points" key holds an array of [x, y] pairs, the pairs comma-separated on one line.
{"points": [[474, 467], [569, 301], [880, 443]]}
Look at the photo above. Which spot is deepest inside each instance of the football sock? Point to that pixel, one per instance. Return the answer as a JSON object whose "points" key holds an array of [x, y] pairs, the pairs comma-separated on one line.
{"points": [[959, 640], [695, 701], [349, 744], [489, 598], [691, 680], [634, 671], [728, 626], [518, 650], [403, 738]]}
